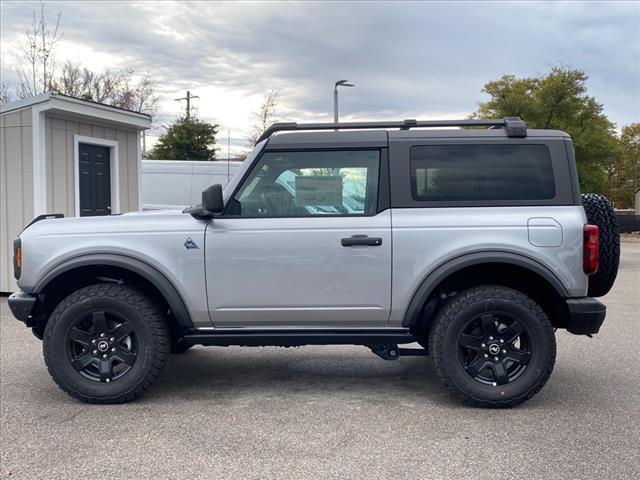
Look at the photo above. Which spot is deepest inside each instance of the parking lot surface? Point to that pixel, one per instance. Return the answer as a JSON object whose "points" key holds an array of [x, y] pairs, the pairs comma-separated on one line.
{"points": [[331, 412]]}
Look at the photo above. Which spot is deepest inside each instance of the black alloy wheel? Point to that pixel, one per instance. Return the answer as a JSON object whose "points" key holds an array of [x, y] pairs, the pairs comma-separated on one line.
{"points": [[495, 348], [106, 343], [102, 346], [492, 346]]}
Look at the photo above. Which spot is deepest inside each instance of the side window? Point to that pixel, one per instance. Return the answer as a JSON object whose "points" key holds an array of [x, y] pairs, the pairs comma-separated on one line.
{"points": [[481, 173], [298, 184]]}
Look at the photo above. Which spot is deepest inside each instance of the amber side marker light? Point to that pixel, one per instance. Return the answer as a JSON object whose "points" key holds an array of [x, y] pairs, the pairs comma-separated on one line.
{"points": [[590, 259], [17, 258]]}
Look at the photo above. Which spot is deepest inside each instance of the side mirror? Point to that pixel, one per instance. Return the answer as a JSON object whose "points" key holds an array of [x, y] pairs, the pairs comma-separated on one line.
{"points": [[212, 201]]}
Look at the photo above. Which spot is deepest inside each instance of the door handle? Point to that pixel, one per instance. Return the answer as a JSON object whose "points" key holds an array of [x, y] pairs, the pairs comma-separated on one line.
{"points": [[361, 240]]}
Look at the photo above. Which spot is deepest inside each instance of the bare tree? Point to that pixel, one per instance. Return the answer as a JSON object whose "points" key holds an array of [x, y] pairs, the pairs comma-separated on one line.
{"points": [[36, 74], [27, 73], [118, 88], [146, 98], [139, 96], [71, 80], [104, 87], [48, 41], [4, 93], [265, 116]]}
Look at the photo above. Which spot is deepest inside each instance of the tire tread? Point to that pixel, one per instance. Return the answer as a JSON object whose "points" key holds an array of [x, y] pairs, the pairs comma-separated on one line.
{"points": [[147, 309], [446, 315], [600, 212]]}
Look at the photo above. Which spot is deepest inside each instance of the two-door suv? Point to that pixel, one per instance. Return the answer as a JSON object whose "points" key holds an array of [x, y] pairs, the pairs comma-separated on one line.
{"points": [[473, 241]]}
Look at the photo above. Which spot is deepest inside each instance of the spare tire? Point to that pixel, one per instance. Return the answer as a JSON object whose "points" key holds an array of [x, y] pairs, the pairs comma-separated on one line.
{"points": [[600, 212]]}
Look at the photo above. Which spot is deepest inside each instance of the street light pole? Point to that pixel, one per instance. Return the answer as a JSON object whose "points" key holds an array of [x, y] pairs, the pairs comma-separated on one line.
{"points": [[339, 83]]}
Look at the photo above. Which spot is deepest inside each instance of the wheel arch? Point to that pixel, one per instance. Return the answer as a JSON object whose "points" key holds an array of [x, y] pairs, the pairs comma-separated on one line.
{"points": [[121, 263], [437, 277]]}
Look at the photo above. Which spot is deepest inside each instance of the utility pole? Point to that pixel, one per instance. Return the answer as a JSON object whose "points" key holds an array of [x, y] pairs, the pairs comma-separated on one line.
{"points": [[188, 98]]}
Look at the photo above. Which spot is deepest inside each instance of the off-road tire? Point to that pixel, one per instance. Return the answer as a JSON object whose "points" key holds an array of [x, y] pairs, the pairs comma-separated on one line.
{"points": [[600, 212], [152, 333], [450, 322]]}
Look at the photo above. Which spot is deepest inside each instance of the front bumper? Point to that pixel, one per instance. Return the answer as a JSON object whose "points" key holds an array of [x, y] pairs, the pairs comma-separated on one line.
{"points": [[585, 315], [22, 306]]}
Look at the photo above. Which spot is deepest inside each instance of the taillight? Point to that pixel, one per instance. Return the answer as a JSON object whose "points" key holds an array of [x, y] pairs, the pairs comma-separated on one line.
{"points": [[590, 250]]}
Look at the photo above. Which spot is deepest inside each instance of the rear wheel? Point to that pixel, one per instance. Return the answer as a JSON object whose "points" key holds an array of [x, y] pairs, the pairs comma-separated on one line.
{"points": [[492, 346], [106, 343]]}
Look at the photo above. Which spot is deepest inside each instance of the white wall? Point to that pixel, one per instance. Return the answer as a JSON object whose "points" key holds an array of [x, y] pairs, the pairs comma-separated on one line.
{"points": [[179, 183]]}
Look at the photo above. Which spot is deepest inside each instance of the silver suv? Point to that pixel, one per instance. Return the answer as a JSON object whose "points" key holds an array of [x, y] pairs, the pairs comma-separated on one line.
{"points": [[472, 241]]}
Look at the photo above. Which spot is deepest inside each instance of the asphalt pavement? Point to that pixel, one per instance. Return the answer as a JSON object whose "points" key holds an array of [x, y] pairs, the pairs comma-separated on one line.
{"points": [[331, 412]]}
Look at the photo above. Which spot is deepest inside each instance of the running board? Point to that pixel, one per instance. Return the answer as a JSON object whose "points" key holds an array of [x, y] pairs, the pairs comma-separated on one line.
{"points": [[392, 352], [253, 338]]}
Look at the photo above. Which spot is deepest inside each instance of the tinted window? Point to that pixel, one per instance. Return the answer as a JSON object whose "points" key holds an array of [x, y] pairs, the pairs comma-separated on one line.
{"points": [[481, 172], [294, 184]]}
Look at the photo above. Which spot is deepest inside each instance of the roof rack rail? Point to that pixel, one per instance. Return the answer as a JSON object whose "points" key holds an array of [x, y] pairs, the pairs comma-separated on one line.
{"points": [[514, 126]]}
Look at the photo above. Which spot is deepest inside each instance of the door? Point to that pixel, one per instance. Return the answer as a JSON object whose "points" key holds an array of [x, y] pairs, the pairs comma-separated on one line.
{"points": [[94, 180], [304, 241]]}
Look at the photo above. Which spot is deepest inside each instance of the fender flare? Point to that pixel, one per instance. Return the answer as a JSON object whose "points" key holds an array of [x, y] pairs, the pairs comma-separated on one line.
{"points": [[143, 269], [433, 279]]}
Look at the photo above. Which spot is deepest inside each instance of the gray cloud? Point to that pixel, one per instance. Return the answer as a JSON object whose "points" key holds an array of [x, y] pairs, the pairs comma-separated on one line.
{"points": [[407, 58]]}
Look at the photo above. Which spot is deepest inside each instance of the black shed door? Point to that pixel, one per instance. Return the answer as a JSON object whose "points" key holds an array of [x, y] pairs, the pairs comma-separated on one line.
{"points": [[95, 180]]}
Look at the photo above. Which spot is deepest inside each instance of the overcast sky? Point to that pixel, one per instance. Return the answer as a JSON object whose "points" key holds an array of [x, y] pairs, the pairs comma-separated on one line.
{"points": [[408, 59]]}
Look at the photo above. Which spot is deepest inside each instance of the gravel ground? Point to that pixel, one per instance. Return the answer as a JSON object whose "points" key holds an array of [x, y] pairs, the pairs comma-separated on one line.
{"points": [[331, 412]]}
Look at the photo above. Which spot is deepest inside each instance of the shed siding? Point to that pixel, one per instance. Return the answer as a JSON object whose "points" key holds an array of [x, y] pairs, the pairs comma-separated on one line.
{"points": [[16, 172], [16, 186], [61, 162]]}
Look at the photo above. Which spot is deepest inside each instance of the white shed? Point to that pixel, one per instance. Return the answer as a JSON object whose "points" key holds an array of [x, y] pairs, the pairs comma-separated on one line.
{"points": [[60, 154]]}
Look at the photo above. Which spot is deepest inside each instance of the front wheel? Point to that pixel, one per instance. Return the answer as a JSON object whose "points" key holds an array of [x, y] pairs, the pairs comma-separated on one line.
{"points": [[106, 343], [492, 346]]}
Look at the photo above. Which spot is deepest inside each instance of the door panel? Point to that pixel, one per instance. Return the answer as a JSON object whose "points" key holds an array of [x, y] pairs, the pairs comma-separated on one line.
{"points": [[266, 272], [94, 180]]}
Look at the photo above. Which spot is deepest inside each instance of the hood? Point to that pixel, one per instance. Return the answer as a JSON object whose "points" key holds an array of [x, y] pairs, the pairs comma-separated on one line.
{"points": [[165, 211], [144, 221]]}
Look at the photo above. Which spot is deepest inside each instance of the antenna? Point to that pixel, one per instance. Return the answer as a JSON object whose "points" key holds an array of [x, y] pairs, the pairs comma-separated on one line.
{"points": [[228, 154]]}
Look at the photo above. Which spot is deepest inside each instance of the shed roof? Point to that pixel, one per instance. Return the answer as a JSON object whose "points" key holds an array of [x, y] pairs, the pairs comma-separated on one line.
{"points": [[64, 103]]}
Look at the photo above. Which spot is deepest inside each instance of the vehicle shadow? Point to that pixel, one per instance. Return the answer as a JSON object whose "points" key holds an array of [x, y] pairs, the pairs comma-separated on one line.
{"points": [[228, 373]]}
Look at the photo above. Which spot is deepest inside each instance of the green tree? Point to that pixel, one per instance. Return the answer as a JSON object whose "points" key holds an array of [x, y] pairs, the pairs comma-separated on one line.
{"points": [[624, 175], [186, 139], [559, 100]]}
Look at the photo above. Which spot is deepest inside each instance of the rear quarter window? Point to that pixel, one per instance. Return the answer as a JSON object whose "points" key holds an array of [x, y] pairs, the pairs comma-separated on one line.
{"points": [[481, 173]]}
